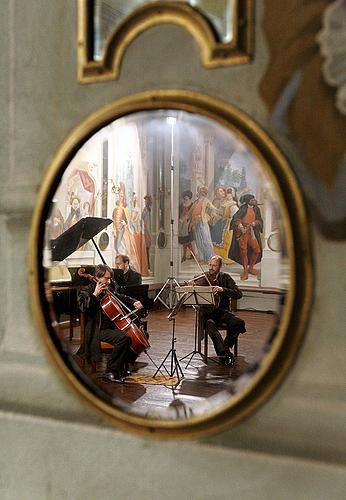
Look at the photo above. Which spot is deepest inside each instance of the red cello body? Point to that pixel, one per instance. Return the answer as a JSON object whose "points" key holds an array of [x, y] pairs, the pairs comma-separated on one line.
{"points": [[115, 313]]}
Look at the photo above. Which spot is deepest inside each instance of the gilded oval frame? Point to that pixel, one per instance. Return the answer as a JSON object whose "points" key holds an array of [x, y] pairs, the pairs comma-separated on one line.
{"points": [[277, 362]]}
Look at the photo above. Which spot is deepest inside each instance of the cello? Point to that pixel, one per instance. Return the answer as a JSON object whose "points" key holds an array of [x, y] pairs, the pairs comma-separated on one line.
{"points": [[115, 310]]}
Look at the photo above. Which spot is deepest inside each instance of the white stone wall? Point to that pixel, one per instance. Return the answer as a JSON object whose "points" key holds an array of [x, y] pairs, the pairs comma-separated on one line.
{"points": [[52, 445]]}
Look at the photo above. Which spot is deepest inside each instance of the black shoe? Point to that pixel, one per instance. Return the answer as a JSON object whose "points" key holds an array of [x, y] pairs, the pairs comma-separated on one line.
{"points": [[110, 377], [229, 360]]}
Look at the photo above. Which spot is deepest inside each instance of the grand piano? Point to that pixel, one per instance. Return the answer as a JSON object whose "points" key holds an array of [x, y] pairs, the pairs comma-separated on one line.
{"points": [[65, 281]]}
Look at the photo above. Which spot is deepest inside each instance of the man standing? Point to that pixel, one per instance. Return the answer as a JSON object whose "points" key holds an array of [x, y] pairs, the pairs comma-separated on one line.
{"points": [[131, 277], [146, 220], [184, 230], [100, 328], [220, 315], [120, 218], [75, 214], [202, 210], [246, 247]]}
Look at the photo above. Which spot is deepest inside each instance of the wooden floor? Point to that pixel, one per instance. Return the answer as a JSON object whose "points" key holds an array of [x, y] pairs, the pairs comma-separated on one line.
{"points": [[202, 387]]}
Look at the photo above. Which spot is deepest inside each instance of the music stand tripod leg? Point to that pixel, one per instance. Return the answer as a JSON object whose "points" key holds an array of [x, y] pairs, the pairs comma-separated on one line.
{"points": [[153, 362], [195, 351], [174, 359]]}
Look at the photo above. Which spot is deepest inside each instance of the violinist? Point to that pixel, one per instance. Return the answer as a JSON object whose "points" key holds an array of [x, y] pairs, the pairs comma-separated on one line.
{"points": [[100, 328], [224, 288]]}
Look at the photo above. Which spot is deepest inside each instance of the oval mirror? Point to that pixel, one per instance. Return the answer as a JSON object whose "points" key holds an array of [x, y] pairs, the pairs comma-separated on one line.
{"points": [[184, 338]]}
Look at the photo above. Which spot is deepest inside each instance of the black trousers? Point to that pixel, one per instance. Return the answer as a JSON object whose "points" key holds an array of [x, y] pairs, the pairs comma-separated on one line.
{"points": [[218, 318], [121, 342]]}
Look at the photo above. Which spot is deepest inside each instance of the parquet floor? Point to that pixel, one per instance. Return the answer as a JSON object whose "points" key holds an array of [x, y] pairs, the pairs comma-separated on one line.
{"points": [[202, 387]]}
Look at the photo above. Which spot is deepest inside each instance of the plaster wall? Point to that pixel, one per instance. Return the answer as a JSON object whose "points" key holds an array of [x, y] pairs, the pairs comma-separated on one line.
{"points": [[52, 445]]}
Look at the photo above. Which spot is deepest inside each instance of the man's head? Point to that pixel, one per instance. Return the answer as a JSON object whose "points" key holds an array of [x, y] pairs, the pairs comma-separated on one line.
{"points": [[231, 194], [249, 199], [122, 262], [75, 202], [148, 200], [187, 195], [215, 264], [203, 191], [86, 206], [103, 273], [220, 193]]}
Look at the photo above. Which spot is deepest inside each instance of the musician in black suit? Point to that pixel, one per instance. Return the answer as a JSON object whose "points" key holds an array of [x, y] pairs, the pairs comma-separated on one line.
{"points": [[100, 328], [131, 277], [224, 288], [130, 283]]}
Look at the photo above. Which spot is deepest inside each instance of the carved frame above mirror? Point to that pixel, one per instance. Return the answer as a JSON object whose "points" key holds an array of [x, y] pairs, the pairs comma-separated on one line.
{"points": [[294, 318], [214, 53]]}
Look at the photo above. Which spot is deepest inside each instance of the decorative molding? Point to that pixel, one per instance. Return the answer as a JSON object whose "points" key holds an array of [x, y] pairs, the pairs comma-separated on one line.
{"points": [[213, 52]]}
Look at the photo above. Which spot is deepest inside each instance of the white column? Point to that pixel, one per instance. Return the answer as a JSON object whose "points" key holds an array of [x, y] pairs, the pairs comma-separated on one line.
{"points": [[270, 264]]}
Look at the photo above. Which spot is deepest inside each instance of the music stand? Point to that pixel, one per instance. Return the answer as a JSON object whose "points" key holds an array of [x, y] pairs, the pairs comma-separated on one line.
{"points": [[172, 352], [195, 296], [175, 366]]}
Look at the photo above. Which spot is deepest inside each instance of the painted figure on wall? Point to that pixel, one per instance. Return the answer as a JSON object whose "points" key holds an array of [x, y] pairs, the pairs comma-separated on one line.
{"points": [[75, 212], [202, 211], [146, 221], [185, 236], [218, 223], [120, 220], [134, 240], [86, 209], [247, 224], [55, 223], [220, 227]]}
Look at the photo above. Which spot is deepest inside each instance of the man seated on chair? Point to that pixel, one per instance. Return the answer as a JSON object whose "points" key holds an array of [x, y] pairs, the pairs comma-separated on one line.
{"points": [[220, 317], [99, 328], [131, 277]]}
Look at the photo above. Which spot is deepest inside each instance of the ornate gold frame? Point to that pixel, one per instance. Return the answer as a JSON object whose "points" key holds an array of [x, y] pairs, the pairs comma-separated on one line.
{"points": [[294, 320], [213, 52]]}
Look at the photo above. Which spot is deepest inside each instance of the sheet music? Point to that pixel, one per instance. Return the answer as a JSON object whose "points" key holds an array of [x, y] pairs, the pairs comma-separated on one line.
{"points": [[196, 295]]}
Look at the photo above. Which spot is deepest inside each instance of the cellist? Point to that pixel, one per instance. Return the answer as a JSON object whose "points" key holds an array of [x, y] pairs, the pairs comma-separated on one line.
{"points": [[99, 328], [225, 288]]}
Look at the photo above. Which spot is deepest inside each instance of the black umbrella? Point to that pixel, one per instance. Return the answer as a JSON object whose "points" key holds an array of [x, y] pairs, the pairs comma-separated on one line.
{"points": [[76, 236]]}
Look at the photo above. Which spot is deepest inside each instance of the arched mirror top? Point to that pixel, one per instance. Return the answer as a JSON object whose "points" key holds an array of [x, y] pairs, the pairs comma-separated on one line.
{"points": [[223, 30], [162, 187]]}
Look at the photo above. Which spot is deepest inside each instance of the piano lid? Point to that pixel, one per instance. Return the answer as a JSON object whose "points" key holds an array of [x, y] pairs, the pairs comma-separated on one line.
{"points": [[76, 236]]}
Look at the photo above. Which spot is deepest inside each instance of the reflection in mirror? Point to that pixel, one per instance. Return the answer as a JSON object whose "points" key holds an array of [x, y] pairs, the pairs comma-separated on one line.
{"points": [[103, 241], [110, 13], [145, 345]]}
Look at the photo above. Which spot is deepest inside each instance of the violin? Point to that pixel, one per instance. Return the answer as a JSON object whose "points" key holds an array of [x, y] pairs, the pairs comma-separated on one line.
{"points": [[207, 279], [115, 310]]}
